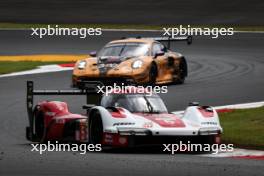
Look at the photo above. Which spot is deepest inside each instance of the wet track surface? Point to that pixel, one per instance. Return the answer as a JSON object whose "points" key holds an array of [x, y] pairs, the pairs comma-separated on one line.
{"points": [[225, 71]]}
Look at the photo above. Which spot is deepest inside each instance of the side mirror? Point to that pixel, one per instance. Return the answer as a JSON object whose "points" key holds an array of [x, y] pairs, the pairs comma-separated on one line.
{"points": [[88, 106], [93, 54], [160, 53], [194, 104]]}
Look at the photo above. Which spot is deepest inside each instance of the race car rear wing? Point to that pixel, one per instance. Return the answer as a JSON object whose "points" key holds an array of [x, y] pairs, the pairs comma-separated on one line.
{"points": [[188, 39], [91, 93], [169, 39]]}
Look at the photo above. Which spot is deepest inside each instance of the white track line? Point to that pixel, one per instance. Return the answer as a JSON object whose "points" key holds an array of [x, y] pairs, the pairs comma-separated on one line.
{"points": [[40, 69], [242, 106], [236, 153], [234, 106]]}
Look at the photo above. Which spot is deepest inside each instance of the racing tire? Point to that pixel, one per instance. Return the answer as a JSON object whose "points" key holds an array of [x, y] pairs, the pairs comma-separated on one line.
{"points": [[39, 124], [182, 73], [96, 129], [28, 134], [210, 139], [206, 140], [153, 73]]}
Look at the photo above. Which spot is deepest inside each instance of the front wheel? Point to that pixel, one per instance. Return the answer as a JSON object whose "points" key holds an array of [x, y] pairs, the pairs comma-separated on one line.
{"points": [[153, 72], [211, 139], [96, 129]]}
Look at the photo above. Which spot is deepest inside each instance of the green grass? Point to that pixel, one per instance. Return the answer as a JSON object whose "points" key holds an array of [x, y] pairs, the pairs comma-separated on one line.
{"points": [[10, 66], [124, 26], [244, 128]]}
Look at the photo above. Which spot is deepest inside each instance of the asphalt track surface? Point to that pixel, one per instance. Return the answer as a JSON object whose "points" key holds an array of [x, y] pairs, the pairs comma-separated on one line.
{"points": [[151, 12], [228, 70]]}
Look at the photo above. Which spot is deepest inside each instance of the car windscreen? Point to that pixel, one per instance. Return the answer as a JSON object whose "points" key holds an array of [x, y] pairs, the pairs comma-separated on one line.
{"points": [[135, 103], [125, 49]]}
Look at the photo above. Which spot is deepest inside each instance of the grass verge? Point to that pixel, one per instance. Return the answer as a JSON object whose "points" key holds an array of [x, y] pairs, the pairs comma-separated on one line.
{"points": [[123, 26], [244, 128], [44, 58], [10, 66]]}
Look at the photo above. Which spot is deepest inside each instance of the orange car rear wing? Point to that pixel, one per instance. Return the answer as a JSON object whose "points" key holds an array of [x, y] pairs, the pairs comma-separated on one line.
{"points": [[188, 39], [169, 39]]}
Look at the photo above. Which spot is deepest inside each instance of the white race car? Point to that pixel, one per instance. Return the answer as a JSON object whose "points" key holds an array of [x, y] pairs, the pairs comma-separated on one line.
{"points": [[131, 119]]}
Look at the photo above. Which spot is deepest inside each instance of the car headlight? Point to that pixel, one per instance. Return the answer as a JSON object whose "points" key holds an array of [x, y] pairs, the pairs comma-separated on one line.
{"points": [[137, 64], [82, 64]]}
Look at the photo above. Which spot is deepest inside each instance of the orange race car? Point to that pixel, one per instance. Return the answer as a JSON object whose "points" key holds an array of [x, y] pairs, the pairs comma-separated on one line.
{"points": [[144, 61]]}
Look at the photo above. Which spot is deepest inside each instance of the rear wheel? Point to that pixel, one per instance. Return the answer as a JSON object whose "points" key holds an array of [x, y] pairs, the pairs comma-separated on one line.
{"points": [[182, 72], [39, 124], [96, 129]]}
